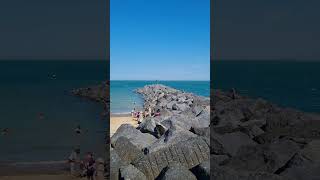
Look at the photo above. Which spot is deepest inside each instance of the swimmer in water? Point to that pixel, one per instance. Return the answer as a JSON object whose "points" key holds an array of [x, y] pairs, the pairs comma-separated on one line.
{"points": [[41, 116], [78, 129], [5, 131]]}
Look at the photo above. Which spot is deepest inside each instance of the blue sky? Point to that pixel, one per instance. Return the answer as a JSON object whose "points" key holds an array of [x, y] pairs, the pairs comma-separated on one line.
{"points": [[160, 39]]}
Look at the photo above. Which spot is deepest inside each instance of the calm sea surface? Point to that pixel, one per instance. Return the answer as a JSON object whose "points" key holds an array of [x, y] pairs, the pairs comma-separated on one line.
{"points": [[293, 84], [28, 89], [123, 97]]}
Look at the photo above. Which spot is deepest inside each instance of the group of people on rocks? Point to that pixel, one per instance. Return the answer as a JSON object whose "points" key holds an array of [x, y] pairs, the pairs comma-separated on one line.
{"points": [[148, 112], [88, 167]]}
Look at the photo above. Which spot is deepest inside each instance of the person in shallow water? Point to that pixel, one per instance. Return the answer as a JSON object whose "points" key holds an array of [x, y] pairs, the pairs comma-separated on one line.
{"points": [[5, 131], [78, 130], [41, 116]]}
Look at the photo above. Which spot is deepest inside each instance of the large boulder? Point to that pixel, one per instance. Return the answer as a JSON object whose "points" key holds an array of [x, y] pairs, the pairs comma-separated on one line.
{"points": [[197, 110], [224, 173], [176, 172], [202, 171], [232, 142], [178, 121], [148, 125], [310, 172], [312, 151], [269, 158], [172, 136], [115, 164], [122, 146], [137, 138], [188, 153], [129, 172], [201, 131]]}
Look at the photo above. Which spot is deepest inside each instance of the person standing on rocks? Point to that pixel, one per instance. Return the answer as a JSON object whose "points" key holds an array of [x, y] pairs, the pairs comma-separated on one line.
{"points": [[149, 111]]}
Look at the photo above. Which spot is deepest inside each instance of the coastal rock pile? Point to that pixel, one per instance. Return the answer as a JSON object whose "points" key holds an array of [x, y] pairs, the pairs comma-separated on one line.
{"points": [[98, 93], [260, 140], [174, 145]]}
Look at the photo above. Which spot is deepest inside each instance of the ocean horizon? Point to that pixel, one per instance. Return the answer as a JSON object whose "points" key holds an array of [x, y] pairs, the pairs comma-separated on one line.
{"points": [[123, 97], [292, 84], [28, 88]]}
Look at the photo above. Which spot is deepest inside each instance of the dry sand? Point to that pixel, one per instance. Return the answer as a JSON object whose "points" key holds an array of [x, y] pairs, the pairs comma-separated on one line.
{"points": [[117, 121]]}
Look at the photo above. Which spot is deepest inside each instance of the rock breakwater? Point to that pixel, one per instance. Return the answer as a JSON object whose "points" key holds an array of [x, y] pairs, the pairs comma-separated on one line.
{"points": [[262, 140], [167, 146]]}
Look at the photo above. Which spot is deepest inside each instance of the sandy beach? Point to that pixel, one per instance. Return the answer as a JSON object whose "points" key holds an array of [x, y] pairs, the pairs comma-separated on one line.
{"points": [[117, 120]]}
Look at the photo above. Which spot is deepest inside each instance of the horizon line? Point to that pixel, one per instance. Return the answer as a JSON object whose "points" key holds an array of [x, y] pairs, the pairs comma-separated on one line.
{"points": [[264, 60], [155, 80]]}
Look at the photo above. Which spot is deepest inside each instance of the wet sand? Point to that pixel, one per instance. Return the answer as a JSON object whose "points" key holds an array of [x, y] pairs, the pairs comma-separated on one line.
{"points": [[117, 120], [40, 177]]}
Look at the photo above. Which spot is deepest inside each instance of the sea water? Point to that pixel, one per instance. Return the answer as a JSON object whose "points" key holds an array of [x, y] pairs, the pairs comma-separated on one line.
{"points": [[124, 98], [31, 88], [294, 84]]}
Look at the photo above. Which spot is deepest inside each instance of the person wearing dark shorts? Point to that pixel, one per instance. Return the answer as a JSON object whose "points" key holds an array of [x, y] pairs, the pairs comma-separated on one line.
{"points": [[90, 167]]}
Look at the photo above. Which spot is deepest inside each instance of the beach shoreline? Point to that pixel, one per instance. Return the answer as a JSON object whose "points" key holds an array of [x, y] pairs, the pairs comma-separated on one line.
{"points": [[32, 169], [116, 120]]}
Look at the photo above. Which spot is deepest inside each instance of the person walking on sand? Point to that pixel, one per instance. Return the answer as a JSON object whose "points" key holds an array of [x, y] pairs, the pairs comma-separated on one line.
{"points": [[90, 166], [73, 160], [140, 117], [100, 169], [133, 112]]}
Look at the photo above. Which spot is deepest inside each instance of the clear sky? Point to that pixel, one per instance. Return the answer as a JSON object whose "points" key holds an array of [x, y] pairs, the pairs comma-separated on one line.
{"points": [[53, 29], [264, 30], [160, 39]]}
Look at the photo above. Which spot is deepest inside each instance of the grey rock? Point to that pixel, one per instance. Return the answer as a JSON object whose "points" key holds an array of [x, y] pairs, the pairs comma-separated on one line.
{"points": [[131, 173], [115, 164], [172, 136], [122, 146], [177, 172], [231, 142], [188, 153], [197, 110], [137, 138], [224, 173], [264, 158], [181, 107], [307, 172], [218, 159], [148, 125], [312, 151], [201, 131], [202, 171]]}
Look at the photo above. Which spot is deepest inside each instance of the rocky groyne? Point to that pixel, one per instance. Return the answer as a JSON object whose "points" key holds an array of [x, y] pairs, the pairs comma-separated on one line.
{"points": [[255, 139], [242, 139], [98, 93], [174, 145]]}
